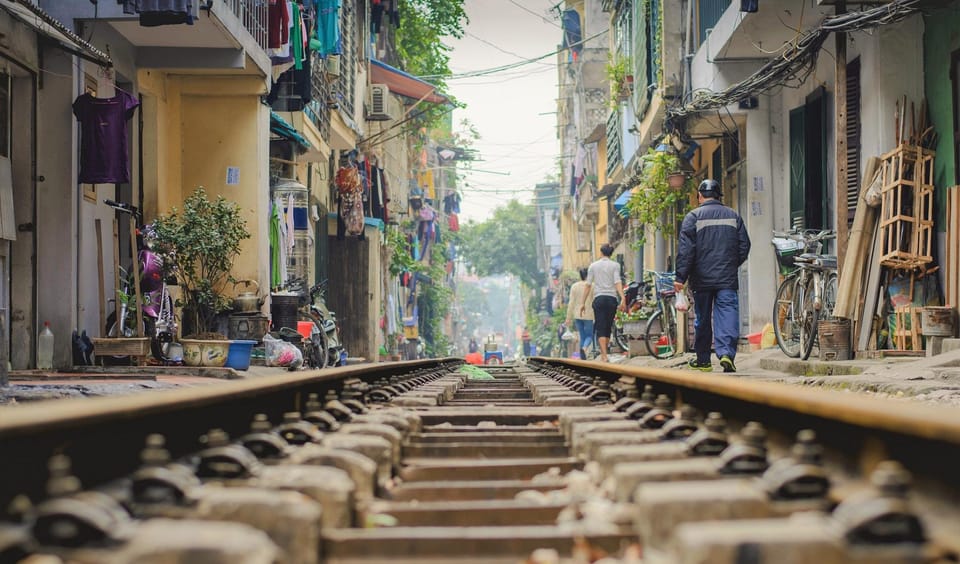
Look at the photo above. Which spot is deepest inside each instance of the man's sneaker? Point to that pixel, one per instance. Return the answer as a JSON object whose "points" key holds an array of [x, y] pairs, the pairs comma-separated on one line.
{"points": [[727, 363], [702, 367]]}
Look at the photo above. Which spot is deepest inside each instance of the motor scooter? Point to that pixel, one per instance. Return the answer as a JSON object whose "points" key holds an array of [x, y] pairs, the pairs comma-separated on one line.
{"points": [[159, 323]]}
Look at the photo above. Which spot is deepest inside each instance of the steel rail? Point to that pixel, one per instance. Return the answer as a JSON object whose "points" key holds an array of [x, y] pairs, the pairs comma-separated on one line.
{"points": [[103, 436], [855, 431]]}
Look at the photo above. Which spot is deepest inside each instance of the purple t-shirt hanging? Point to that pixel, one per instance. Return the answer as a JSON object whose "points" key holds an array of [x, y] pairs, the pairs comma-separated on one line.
{"points": [[103, 137]]}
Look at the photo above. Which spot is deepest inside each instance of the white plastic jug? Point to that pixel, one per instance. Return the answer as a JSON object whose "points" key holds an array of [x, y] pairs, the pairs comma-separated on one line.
{"points": [[45, 348]]}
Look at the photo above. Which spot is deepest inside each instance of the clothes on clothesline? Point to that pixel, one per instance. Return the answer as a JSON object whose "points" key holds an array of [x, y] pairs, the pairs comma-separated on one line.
{"points": [[103, 137], [160, 12]]}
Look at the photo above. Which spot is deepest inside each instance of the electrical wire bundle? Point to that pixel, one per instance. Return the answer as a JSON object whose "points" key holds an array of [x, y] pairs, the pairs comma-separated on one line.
{"points": [[799, 59]]}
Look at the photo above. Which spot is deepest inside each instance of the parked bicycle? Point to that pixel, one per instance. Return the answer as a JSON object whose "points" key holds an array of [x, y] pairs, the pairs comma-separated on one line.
{"points": [[807, 294], [661, 332], [159, 323]]}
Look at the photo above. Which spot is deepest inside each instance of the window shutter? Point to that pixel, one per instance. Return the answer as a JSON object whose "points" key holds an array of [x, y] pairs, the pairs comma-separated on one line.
{"points": [[640, 63], [853, 138]]}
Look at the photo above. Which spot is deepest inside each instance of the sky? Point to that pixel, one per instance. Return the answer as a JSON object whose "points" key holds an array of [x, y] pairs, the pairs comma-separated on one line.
{"points": [[514, 111]]}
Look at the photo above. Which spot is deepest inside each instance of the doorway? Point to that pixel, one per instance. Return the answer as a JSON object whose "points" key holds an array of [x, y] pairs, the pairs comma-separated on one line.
{"points": [[808, 163]]}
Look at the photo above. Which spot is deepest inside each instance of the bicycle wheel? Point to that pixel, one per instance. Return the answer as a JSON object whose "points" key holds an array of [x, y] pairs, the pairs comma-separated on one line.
{"points": [[809, 317], [661, 334], [619, 338], [160, 340], [785, 326], [829, 296], [319, 345]]}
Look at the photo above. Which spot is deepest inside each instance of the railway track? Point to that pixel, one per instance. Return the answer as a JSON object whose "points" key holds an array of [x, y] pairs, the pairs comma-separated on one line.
{"points": [[419, 462]]}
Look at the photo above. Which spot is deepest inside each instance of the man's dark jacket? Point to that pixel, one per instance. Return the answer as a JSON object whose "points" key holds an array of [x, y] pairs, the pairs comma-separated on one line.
{"points": [[713, 243]]}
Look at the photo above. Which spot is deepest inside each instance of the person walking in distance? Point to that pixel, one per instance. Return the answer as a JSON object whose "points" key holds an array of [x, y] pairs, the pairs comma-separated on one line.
{"points": [[603, 278], [713, 245], [583, 320]]}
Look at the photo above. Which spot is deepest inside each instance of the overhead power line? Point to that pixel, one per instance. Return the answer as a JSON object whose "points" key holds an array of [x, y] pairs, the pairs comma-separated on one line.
{"points": [[798, 59], [510, 66]]}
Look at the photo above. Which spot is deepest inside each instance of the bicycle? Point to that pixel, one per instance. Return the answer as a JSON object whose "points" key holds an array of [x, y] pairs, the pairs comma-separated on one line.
{"points": [[808, 292], [661, 332]]}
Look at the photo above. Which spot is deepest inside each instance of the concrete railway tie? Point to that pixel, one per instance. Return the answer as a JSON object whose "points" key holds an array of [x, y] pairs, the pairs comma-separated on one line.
{"points": [[546, 462]]}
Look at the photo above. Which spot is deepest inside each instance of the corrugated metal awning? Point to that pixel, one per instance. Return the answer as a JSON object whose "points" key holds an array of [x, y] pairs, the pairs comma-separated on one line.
{"points": [[404, 84], [46, 25]]}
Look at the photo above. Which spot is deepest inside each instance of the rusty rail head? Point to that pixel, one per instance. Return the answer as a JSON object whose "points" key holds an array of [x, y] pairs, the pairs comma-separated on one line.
{"points": [[918, 420], [103, 436]]}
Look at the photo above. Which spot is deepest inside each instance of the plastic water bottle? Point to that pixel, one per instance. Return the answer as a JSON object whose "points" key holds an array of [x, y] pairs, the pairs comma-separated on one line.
{"points": [[45, 348]]}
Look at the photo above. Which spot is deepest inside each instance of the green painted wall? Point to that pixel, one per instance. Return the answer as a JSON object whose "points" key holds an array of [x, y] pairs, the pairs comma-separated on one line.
{"points": [[941, 38]]}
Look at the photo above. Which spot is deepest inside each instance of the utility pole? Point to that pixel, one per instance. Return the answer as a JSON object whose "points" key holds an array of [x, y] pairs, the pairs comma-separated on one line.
{"points": [[840, 111]]}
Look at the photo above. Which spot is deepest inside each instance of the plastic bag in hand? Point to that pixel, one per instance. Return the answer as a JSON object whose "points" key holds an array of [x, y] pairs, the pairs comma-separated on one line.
{"points": [[682, 304]]}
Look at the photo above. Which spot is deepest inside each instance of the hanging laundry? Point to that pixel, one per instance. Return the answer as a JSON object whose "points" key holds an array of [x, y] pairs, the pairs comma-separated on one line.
{"points": [[278, 245], [349, 202], [572, 33], [451, 203], [453, 222], [103, 137], [296, 37], [328, 27], [129, 6], [579, 164], [165, 12], [279, 24]]}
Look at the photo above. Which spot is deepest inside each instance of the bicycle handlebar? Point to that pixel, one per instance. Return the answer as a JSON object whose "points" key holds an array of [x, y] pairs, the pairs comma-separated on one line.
{"points": [[809, 235], [124, 208]]}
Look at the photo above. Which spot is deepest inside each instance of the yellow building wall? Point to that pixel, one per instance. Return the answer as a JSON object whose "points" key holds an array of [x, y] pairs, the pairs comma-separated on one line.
{"points": [[572, 258], [231, 131], [194, 128]]}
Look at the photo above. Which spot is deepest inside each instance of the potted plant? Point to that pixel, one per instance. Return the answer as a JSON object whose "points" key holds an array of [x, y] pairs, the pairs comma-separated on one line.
{"points": [[202, 239], [620, 76], [661, 194]]}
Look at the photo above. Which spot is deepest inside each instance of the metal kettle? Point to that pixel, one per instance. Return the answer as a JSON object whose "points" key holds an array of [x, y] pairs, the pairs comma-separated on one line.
{"points": [[248, 302]]}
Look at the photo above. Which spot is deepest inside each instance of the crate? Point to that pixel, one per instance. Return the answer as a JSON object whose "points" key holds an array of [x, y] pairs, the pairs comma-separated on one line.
{"points": [[136, 348], [787, 250], [634, 327], [906, 210]]}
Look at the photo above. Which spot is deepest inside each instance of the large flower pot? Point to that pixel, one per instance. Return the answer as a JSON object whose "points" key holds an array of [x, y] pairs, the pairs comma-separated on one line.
{"points": [[198, 352]]}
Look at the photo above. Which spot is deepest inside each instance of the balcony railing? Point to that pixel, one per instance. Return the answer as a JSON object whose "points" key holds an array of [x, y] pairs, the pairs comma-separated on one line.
{"points": [[318, 110], [253, 15]]}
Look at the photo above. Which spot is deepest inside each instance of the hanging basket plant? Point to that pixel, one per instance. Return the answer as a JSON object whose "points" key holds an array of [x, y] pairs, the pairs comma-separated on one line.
{"points": [[676, 179], [661, 197]]}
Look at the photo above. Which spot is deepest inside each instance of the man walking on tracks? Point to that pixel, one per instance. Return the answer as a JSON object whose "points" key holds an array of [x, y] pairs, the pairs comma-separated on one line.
{"points": [[713, 245], [603, 277]]}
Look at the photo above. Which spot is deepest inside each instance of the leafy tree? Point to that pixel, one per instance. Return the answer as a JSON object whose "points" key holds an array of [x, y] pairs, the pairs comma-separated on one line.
{"points": [[504, 244], [421, 50], [423, 26]]}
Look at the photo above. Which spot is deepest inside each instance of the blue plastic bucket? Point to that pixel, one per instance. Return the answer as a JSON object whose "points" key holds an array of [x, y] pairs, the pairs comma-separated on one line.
{"points": [[239, 356]]}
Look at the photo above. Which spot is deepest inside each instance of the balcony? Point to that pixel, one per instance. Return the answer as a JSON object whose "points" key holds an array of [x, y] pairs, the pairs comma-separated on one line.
{"points": [[739, 36], [226, 35]]}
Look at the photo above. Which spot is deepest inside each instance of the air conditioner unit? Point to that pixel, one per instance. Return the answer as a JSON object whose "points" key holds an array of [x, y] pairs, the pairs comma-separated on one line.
{"points": [[377, 107], [331, 66]]}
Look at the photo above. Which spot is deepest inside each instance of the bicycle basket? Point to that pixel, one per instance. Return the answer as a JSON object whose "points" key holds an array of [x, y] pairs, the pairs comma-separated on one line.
{"points": [[787, 251], [665, 283]]}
